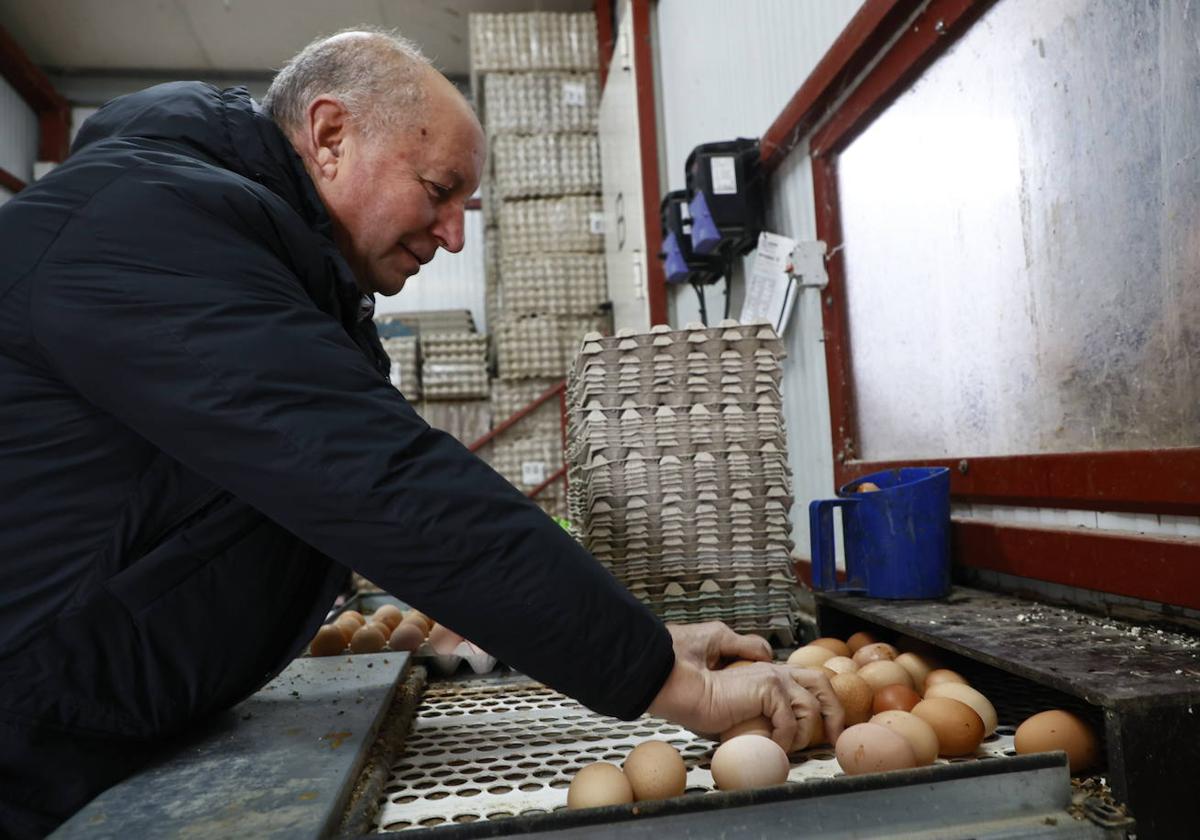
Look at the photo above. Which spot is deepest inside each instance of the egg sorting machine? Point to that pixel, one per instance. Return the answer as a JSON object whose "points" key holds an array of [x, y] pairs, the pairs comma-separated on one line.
{"points": [[371, 744]]}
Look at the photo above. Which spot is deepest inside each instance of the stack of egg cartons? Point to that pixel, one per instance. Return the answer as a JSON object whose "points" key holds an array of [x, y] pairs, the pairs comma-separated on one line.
{"points": [[402, 351], [536, 82], [679, 479], [454, 366]]}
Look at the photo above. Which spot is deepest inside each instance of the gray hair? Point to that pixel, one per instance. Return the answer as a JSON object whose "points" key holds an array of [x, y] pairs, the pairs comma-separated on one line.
{"points": [[377, 77]]}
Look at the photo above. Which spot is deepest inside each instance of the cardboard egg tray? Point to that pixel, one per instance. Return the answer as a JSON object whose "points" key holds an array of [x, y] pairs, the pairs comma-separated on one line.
{"points": [[427, 322], [553, 284], [679, 479], [535, 165], [568, 224], [533, 41], [530, 103], [454, 366], [540, 346], [465, 420], [403, 353]]}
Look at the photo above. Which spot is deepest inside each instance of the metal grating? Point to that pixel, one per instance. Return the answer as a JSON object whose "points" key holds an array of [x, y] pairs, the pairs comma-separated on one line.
{"points": [[492, 749]]}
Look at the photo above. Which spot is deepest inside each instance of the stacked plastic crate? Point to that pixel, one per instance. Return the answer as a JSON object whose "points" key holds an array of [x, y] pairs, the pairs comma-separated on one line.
{"points": [[679, 473], [535, 81]]}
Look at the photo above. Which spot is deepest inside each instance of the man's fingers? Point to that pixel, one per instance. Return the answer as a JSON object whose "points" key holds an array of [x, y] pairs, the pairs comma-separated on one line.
{"points": [[805, 709], [777, 706], [831, 711], [735, 646]]}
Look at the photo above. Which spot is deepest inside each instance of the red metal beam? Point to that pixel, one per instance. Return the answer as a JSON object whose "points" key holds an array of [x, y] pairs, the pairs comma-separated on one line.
{"points": [[53, 111], [929, 35], [11, 182], [604, 35], [1145, 481], [643, 66], [559, 474], [1163, 570], [858, 44]]}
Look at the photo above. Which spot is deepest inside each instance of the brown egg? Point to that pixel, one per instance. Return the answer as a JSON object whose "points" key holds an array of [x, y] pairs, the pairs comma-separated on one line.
{"points": [[859, 640], [389, 614], [965, 694], [418, 623], [874, 653], [348, 626], [811, 656], [838, 647], [840, 665], [941, 675], [918, 668], [655, 770], [1059, 730], [382, 627], [417, 615], [406, 637], [356, 615], [367, 640], [884, 672], [749, 761], [867, 487], [958, 727], [329, 641], [895, 696], [759, 726], [599, 784], [918, 733], [855, 695], [871, 748]]}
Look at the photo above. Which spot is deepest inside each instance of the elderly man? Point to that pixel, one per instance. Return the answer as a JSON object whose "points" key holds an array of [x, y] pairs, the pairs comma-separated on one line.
{"points": [[198, 439]]}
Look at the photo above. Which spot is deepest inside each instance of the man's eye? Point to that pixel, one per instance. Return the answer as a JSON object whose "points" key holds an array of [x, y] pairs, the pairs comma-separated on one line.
{"points": [[440, 191]]}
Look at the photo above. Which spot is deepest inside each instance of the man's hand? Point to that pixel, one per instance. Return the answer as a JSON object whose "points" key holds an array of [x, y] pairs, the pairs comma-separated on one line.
{"points": [[710, 702], [706, 645]]}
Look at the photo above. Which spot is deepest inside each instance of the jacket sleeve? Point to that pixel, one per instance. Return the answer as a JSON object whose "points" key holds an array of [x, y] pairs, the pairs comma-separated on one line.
{"points": [[191, 329]]}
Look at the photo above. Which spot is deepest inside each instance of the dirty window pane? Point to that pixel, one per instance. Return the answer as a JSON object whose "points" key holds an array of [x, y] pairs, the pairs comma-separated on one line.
{"points": [[1022, 239]]}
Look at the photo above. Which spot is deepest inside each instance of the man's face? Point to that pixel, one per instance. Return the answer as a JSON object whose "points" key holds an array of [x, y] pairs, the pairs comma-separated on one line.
{"points": [[399, 195]]}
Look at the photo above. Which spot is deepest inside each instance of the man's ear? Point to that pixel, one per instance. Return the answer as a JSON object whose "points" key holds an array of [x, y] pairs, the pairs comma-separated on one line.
{"points": [[327, 128]]}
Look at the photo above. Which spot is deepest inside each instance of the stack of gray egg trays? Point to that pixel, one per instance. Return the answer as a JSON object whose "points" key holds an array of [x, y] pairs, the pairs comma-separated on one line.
{"points": [[454, 366], [679, 479], [402, 353]]}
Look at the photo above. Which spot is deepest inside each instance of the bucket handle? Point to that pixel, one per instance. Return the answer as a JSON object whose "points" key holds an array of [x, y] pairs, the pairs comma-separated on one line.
{"points": [[822, 541]]}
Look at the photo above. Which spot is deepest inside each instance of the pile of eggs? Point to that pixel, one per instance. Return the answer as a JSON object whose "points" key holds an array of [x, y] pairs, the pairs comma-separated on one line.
{"points": [[386, 628], [903, 710]]}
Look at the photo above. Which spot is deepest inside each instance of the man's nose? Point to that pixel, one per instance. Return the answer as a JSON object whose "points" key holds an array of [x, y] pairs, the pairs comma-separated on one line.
{"points": [[448, 229]]}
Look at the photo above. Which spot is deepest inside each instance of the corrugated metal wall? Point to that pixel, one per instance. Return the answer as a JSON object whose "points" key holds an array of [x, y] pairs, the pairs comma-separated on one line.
{"points": [[449, 281], [18, 133], [726, 70]]}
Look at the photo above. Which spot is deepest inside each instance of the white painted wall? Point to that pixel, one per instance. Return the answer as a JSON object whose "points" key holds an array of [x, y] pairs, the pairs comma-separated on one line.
{"points": [[726, 70], [448, 281], [18, 133]]}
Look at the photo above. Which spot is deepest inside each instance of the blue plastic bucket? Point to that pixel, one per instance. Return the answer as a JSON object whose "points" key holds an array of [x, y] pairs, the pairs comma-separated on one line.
{"points": [[897, 539]]}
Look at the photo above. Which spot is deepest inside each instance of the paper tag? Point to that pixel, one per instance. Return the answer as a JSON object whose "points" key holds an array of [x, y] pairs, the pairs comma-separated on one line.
{"points": [[533, 472], [596, 223], [574, 94], [770, 292], [396, 375], [724, 175]]}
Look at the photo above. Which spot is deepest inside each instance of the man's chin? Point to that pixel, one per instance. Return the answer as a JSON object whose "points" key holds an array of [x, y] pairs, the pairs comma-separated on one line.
{"points": [[390, 286]]}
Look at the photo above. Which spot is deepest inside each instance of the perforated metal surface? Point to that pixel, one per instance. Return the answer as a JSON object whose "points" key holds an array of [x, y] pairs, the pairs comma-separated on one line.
{"points": [[488, 749]]}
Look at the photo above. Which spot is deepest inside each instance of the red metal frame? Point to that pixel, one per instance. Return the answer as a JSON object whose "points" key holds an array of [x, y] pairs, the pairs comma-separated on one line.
{"points": [[53, 112], [1158, 481], [11, 182], [643, 65], [559, 390], [604, 35]]}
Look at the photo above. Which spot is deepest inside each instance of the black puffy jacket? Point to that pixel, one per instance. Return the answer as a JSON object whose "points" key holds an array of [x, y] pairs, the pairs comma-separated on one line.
{"points": [[194, 421]]}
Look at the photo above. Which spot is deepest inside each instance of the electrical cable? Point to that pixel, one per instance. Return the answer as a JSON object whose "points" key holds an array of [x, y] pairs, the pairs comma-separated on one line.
{"points": [[703, 305]]}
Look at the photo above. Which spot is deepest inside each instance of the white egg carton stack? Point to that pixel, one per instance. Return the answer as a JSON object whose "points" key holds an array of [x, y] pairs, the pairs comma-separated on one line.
{"points": [[403, 353], [679, 479], [564, 225], [511, 395], [537, 165], [454, 366], [526, 462], [529, 103], [554, 284], [540, 346], [533, 41]]}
